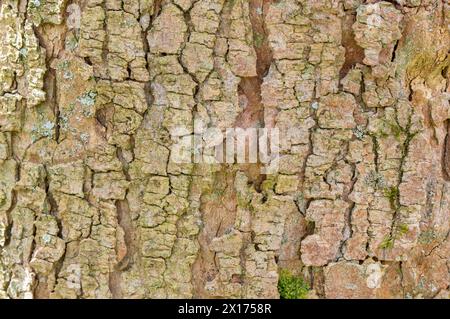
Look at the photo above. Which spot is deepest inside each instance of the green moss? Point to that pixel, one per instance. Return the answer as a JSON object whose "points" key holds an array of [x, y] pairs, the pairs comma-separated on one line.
{"points": [[387, 243], [402, 229], [243, 201], [392, 194], [268, 185], [292, 287], [258, 39], [390, 128], [389, 240], [396, 130]]}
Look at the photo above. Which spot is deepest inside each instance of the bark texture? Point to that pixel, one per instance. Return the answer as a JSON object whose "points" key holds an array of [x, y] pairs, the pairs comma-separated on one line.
{"points": [[92, 206]]}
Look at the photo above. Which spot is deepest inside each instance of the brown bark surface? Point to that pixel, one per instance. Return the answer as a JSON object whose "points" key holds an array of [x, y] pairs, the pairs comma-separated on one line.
{"points": [[96, 96]]}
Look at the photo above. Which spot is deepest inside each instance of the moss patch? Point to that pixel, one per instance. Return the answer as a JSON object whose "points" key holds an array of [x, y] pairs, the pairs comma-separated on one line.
{"points": [[292, 287], [387, 243], [392, 194]]}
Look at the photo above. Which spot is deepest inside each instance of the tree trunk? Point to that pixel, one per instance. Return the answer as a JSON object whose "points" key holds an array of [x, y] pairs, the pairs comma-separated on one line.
{"points": [[113, 116]]}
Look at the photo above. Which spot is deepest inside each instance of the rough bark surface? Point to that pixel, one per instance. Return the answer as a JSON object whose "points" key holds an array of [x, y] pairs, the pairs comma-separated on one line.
{"points": [[92, 206]]}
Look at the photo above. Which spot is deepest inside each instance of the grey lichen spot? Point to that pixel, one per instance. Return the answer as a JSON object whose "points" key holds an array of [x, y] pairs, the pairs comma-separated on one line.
{"points": [[43, 130], [375, 180], [35, 3], [88, 99], [359, 132], [46, 238], [71, 42], [84, 137], [23, 53]]}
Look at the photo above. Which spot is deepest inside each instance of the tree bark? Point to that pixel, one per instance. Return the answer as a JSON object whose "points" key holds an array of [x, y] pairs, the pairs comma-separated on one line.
{"points": [[97, 96]]}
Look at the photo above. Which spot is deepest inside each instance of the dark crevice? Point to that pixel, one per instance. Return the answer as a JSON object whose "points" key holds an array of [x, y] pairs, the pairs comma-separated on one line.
{"points": [[394, 51], [125, 222], [157, 6], [446, 153], [250, 87], [354, 54], [88, 61]]}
